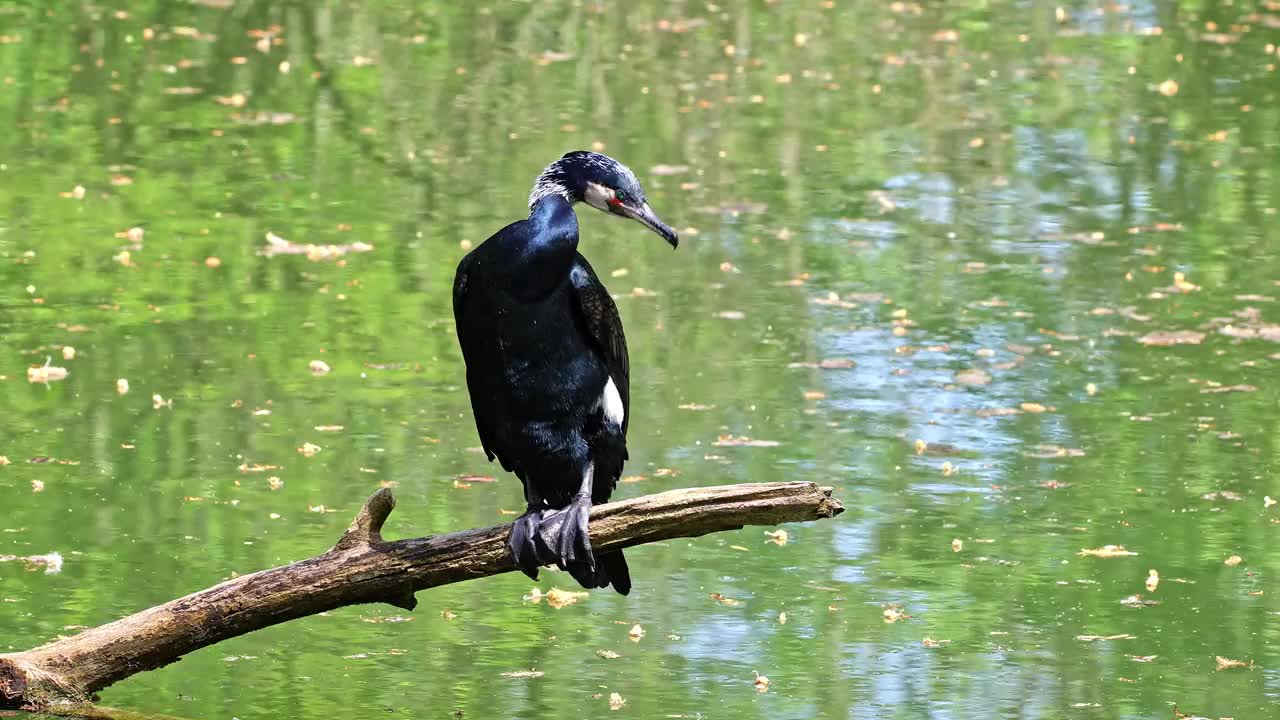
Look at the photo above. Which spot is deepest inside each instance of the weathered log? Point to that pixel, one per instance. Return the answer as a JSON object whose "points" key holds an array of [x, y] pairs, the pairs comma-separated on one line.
{"points": [[363, 568]]}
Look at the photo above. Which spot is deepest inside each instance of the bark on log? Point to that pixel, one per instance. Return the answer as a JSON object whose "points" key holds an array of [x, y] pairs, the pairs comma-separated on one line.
{"points": [[363, 568]]}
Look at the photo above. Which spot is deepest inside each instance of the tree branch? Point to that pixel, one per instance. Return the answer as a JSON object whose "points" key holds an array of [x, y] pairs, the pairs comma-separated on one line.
{"points": [[363, 568]]}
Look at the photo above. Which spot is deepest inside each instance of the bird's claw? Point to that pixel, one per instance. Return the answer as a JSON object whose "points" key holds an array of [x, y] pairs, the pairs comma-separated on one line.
{"points": [[563, 536], [574, 546], [523, 542]]}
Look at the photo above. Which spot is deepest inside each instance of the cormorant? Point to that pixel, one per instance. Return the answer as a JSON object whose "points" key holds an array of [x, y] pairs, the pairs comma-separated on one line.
{"points": [[547, 365]]}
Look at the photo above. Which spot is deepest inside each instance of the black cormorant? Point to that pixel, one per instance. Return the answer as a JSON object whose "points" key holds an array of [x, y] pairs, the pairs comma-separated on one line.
{"points": [[547, 363]]}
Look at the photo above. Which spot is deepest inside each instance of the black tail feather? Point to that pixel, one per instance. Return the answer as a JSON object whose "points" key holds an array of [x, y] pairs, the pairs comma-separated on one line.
{"points": [[611, 567]]}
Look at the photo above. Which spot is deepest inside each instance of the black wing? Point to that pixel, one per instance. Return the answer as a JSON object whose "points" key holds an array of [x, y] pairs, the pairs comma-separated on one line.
{"points": [[600, 316], [473, 335]]}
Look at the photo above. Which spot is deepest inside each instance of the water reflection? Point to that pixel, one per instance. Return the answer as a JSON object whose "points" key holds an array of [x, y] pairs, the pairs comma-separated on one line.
{"points": [[921, 190]]}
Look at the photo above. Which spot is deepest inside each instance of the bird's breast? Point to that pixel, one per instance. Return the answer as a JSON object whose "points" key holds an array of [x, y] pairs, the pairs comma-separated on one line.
{"points": [[543, 365]]}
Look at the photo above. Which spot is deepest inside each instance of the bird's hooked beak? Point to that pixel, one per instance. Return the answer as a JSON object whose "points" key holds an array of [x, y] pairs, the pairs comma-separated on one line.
{"points": [[644, 215]]}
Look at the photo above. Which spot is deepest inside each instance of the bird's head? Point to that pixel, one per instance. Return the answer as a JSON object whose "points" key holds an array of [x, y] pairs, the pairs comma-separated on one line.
{"points": [[604, 184]]}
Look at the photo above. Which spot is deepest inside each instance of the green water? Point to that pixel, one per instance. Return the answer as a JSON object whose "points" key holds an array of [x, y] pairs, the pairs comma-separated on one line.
{"points": [[921, 189]]}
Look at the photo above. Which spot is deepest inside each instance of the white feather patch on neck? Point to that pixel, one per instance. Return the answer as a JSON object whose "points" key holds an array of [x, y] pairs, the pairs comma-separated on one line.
{"points": [[545, 187], [611, 401]]}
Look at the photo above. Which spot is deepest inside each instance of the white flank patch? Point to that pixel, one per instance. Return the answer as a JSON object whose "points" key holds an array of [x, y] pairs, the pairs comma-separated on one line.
{"points": [[611, 401]]}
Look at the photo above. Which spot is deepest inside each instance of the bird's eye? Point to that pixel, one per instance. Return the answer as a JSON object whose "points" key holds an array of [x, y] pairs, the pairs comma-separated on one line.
{"points": [[621, 195]]}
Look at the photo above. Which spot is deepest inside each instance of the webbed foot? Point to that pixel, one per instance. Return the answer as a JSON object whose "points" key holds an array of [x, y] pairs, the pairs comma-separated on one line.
{"points": [[572, 544], [575, 543], [524, 548]]}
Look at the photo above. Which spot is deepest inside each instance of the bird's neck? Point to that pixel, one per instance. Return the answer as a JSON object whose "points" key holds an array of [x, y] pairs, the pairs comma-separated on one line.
{"points": [[553, 220], [553, 182], [537, 255]]}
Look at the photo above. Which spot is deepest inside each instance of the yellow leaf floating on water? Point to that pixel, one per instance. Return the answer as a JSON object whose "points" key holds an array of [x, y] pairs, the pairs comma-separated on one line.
{"points": [[742, 441], [37, 486], [1168, 88], [725, 600], [777, 537], [523, 674], [894, 613], [1181, 283], [1107, 551], [635, 633], [558, 598], [1153, 580], [308, 449], [319, 367], [931, 643], [1046, 452], [1228, 663], [277, 245], [1233, 561], [616, 701], [1165, 338], [256, 467], [1095, 638], [51, 562], [389, 619], [957, 545], [762, 682], [122, 386], [68, 352], [972, 377], [157, 402], [921, 446], [46, 373], [448, 614], [782, 618], [608, 654]]}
